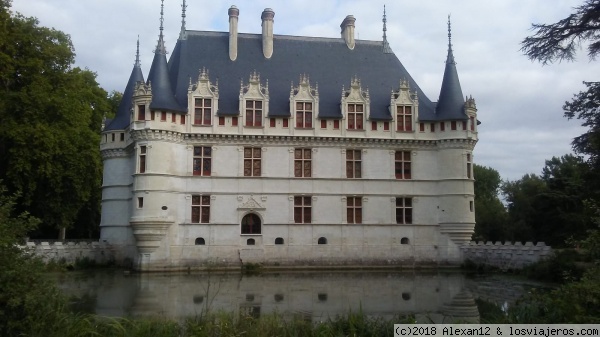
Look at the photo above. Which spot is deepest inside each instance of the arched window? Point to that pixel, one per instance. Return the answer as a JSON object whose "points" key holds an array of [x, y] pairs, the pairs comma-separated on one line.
{"points": [[279, 241], [251, 224], [200, 242], [322, 241], [250, 242], [404, 241]]}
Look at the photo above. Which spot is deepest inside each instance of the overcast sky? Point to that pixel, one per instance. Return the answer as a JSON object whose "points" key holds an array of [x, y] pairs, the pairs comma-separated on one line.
{"points": [[519, 102]]}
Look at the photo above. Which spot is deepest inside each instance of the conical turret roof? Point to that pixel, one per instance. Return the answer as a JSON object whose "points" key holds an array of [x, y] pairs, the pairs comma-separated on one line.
{"points": [[451, 103]]}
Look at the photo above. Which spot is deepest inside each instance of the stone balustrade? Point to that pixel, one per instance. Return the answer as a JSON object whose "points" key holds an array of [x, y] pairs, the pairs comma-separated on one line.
{"points": [[505, 256], [70, 252]]}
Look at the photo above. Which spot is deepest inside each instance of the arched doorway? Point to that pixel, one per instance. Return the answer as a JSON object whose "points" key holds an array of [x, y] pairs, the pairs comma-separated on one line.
{"points": [[251, 224]]}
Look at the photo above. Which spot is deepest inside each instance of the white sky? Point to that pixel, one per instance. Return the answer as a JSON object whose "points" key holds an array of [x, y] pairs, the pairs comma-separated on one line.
{"points": [[519, 102]]}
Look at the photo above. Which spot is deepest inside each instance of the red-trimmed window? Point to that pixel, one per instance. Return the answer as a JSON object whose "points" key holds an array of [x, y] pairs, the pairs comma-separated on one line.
{"points": [[272, 122], [336, 124], [374, 126], [200, 208], [182, 119], [386, 126], [404, 211], [286, 122], [202, 111], [304, 113], [443, 126], [234, 121], [141, 112], [254, 110], [353, 164], [354, 210], [404, 118], [302, 163], [323, 124], [453, 125], [302, 209], [472, 123], [163, 116], [152, 115], [143, 159], [221, 121], [403, 165], [432, 125], [422, 127], [252, 161], [173, 117], [202, 160], [355, 116], [464, 125]]}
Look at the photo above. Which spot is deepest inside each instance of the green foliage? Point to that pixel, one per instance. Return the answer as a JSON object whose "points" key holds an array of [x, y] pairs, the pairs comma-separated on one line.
{"points": [[559, 41], [490, 214], [562, 267], [585, 106], [51, 117]]}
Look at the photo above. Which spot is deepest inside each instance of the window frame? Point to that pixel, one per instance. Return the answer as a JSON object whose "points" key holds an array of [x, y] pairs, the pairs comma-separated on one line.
{"points": [[404, 118], [142, 164], [200, 208], [403, 165], [203, 111], [203, 155], [302, 209], [353, 164], [404, 210], [254, 109], [356, 119], [354, 210], [303, 159], [254, 161], [304, 115], [250, 229]]}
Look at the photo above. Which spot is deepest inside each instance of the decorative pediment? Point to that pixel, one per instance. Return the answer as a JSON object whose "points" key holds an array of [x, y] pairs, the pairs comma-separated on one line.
{"points": [[203, 87], [355, 94], [470, 102], [403, 96], [304, 92], [142, 89], [250, 204], [254, 89]]}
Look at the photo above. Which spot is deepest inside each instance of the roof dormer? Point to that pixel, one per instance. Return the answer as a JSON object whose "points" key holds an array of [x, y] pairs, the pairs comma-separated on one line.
{"points": [[254, 101], [355, 105], [404, 107], [304, 103]]}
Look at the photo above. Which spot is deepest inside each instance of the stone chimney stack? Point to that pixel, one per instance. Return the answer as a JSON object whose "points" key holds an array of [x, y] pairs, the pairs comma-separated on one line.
{"points": [[348, 30], [267, 32], [233, 32]]}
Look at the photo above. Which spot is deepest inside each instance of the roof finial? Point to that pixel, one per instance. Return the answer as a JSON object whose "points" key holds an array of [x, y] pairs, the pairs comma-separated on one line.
{"points": [[450, 58], [137, 53], [160, 47], [182, 33], [386, 45]]}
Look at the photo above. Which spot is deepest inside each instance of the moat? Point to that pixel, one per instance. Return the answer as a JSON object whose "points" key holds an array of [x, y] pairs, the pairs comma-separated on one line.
{"points": [[429, 296]]}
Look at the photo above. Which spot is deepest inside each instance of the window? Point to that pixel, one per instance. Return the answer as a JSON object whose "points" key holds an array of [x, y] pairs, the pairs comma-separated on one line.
{"points": [[442, 126], [422, 127], [402, 165], [173, 118], [403, 118], [163, 116], [432, 125], [353, 164], [140, 202], [234, 121], [221, 120], [152, 115], [302, 163], [323, 124], [464, 125], [122, 136], [202, 160], [469, 166], [272, 122], [251, 224], [200, 208], [142, 159], [252, 161], [113, 137], [200, 242], [403, 210], [286, 122], [250, 242], [182, 120], [355, 116], [202, 111], [471, 206], [336, 124], [404, 241], [141, 112], [322, 241], [302, 210], [386, 126], [374, 126], [304, 114], [453, 125], [354, 209], [278, 241], [472, 119], [254, 113]]}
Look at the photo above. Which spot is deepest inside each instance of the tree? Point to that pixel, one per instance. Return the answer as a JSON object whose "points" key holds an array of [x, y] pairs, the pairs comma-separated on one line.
{"points": [[51, 118], [490, 214], [559, 41]]}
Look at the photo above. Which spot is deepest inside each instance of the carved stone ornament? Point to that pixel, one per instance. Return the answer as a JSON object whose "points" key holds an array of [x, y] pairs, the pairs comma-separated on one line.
{"points": [[251, 204]]}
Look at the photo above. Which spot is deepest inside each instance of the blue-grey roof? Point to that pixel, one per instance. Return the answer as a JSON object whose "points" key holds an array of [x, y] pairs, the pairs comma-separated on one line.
{"points": [[162, 91], [451, 104], [327, 61], [122, 117]]}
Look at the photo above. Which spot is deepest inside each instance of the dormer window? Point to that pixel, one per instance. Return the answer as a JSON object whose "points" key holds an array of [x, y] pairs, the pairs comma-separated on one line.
{"points": [[254, 101], [304, 102], [405, 104], [254, 113], [355, 103], [141, 112], [202, 111], [204, 97]]}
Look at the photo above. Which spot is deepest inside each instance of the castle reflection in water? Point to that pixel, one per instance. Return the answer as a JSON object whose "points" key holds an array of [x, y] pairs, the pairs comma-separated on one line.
{"points": [[314, 296]]}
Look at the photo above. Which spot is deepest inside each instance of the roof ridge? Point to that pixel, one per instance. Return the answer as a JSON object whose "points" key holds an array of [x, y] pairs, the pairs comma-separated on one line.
{"points": [[278, 36]]}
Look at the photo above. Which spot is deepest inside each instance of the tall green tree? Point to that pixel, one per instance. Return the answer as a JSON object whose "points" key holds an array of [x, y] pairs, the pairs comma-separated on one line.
{"points": [[51, 117], [490, 214]]}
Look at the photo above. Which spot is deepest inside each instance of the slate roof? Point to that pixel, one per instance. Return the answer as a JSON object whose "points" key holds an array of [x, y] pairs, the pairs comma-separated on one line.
{"points": [[121, 120], [327, 61], [160, 82], [451, 103]]}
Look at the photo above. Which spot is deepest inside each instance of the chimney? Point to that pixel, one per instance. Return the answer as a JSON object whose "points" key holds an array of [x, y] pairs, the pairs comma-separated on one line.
{"points": [[267, 32], [348, 31], [233, 28]]}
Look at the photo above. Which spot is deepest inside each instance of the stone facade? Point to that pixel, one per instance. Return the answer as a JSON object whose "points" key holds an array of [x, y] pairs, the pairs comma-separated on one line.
{"points": [[212, 172], [71, 252]]}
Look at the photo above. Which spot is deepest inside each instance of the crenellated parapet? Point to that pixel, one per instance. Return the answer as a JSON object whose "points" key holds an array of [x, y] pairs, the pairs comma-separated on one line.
{"points": [[505, 256], [70, 252]]}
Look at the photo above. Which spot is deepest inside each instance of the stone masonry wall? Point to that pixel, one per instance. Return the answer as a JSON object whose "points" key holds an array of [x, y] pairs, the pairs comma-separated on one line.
{"points": [[70, 252], [505, 256]]}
